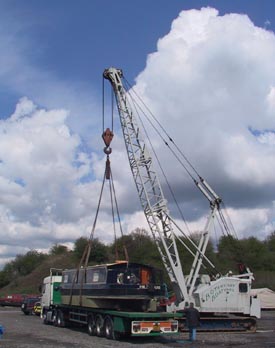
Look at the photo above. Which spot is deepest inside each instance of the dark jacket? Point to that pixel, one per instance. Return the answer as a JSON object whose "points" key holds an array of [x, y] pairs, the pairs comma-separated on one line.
{"points": [[192, 317]]}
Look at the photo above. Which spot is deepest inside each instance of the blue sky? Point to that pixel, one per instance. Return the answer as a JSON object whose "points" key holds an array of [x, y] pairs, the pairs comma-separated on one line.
{"points": [[75, 41], [208, 75]]}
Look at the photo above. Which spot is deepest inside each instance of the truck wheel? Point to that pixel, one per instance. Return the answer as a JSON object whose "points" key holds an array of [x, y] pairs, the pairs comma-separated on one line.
{"points": [[99, 325], [44, 317], [54, 318], [91, 325], [60, 319]]}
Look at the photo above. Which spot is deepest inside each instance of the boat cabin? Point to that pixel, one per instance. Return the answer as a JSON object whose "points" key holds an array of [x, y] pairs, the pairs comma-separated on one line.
{"points": [[120, 284]]}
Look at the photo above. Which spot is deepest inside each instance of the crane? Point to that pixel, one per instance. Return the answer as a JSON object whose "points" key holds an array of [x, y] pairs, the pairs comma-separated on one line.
{"points": [[223, 294]]}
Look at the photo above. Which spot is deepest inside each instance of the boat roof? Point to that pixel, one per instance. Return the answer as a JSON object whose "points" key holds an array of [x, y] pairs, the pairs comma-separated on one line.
{"points": [[116, 264]]}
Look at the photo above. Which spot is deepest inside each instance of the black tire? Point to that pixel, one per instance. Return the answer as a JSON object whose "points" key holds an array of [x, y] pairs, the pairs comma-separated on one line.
{"points": [[44, 316], [109, 328], [60, 319], [54, 318], [91, 325], [109, 331], [99, 325]]}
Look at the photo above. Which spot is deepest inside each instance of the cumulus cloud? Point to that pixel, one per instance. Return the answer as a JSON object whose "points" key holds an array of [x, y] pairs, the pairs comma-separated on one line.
{"points": [[210, 83], [44, 197], [50, 183]]}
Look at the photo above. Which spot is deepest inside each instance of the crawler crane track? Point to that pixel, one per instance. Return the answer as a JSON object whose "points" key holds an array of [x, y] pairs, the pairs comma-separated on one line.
{"points": [[223, 324]]}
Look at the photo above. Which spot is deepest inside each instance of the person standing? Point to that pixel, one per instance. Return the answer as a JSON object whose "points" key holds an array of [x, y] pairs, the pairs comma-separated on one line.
{"points": [[192, 321]]}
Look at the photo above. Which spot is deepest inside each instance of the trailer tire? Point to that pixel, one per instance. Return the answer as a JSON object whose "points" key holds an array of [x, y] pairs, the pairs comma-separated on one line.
{"points": [[109, 328], [99, 325], [91, 325]]}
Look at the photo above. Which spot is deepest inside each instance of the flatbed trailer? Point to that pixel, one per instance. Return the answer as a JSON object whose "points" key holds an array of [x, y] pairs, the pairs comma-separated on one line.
{"points": [[114, 324], [99, 321]]}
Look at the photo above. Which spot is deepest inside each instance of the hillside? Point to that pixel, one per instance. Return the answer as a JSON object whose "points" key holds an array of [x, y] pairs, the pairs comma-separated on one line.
{"points": [[30, 283], [25, 274]]}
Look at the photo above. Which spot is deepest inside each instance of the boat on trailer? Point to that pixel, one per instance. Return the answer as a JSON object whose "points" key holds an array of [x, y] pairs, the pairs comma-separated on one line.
{"points": [[120, 286]]}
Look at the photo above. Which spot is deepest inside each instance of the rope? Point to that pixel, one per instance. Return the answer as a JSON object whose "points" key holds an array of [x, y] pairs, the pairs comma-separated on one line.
{"points": [[113, 216], [103, 103], [95, 221], [119, 220]]}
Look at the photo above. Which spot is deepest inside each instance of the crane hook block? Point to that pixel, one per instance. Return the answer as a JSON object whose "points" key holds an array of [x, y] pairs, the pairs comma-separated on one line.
{"points": [[107, 137], [107, 150]]}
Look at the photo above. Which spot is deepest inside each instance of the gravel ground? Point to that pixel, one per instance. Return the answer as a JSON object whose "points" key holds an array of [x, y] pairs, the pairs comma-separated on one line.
{"points": [[23, 331]]}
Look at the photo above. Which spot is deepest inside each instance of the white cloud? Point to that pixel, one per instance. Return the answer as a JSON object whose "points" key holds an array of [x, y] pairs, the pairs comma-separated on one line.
{"points": [[43, 198], [211, 84]]}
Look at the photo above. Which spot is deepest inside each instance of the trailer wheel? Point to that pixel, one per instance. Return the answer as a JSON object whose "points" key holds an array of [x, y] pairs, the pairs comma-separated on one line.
{"points": [[99, 325], [91, 325], [109, 328], [109, 331]]}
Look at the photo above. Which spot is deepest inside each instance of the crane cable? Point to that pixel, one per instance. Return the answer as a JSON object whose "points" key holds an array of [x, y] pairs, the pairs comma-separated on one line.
{"points": [[160, 166], [229, 230], [159, 134], [169, 186], [131, 88]]}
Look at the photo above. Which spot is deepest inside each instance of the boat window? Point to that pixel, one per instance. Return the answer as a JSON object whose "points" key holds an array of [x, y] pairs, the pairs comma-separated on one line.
{"points": [[129, 276], [68, 276], [132, 277], [97, 275]]}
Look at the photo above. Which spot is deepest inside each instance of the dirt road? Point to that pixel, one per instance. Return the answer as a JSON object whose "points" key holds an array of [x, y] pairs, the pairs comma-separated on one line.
{"points": [[23, 331]]}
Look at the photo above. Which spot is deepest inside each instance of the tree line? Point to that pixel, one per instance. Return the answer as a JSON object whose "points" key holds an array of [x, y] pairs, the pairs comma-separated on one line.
{"points": [[139, 246]]}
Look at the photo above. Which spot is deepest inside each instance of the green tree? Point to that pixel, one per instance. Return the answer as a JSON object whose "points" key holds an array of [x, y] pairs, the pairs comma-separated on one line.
{"points": [[58, 249], [22, 265], [79, 247], [229, 254], [99, 251], [186, 248], [270, 242], [140, 247], [25, 264], [6, 275], [255, 254]]}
